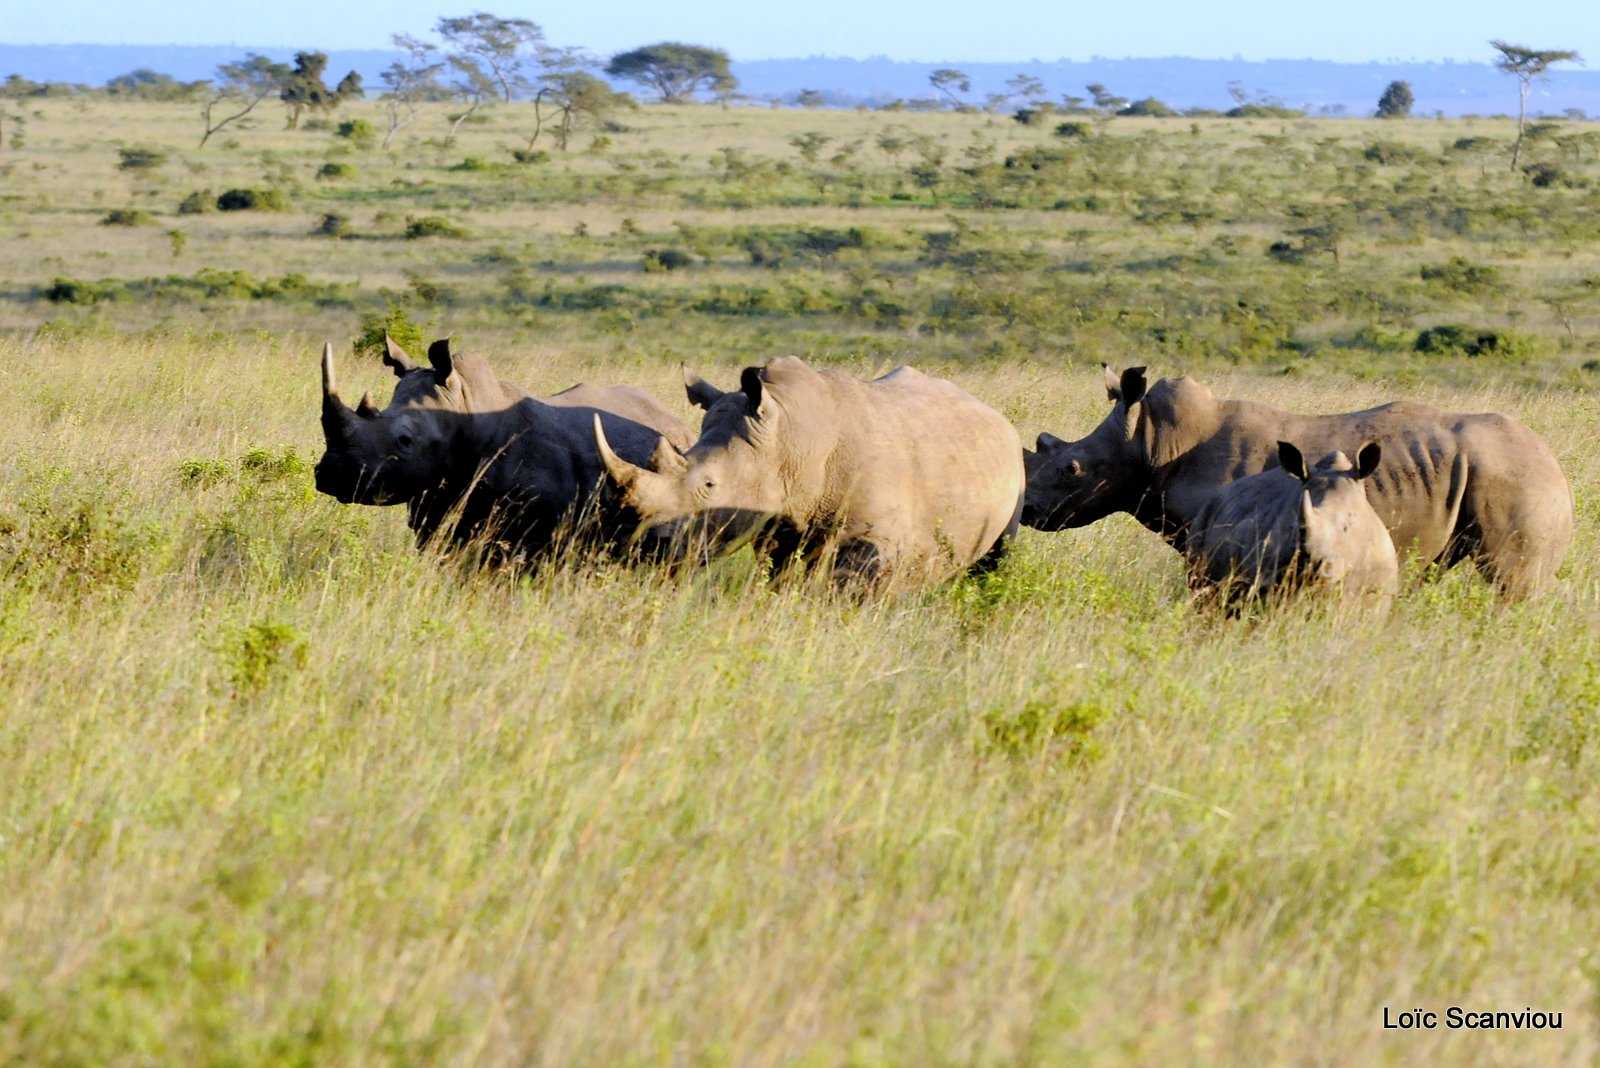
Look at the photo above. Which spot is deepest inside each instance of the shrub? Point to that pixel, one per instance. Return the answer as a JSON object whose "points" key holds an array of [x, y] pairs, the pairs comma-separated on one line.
{"points": [[522, 155], [126, 217], [333, 171], [432, 226], [1389, 153], [657, 260], [62, 290], [1149, 107], [1037, 115], [252, 200], [333, 225], [1451, 339], [358, 132], [140, 159], [1462, 275], [254, 654], [197, 203], [1545, 175], [397, 324], [1074, 128]]}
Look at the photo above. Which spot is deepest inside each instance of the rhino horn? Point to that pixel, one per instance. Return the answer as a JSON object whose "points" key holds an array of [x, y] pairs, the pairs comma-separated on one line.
{"points": [[335, 414], [366, 409], [702, 394], [1113, 383], [396, 358], [439, 356], [620, 471]]}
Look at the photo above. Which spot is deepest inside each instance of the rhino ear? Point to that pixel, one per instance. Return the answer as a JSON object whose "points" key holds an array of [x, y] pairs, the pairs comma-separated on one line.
{"points": [[702, 394], [439, 356], [1047, 441], [750, 383], [1367, 459], [1113, 383], [1292, 461], [395, 357], [666, 458], [1133, 386]]}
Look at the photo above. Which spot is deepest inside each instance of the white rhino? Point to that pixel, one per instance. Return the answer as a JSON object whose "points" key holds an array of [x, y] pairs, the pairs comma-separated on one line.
{"points": [[1286, 529], [475, 457], [1453, 487], [904, 478]]}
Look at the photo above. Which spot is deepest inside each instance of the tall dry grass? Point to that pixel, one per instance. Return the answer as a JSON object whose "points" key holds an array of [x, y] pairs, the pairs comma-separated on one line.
{"points": [[276, 788]]}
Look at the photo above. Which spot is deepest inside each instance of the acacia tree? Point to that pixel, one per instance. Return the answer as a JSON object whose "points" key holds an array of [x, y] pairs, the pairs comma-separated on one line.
{"points": [[410, 83], [493, 50], [950, 81], [675, 71], [246, 83], [304, 88], [575, 97], [1527, 64], [1396, 101]]}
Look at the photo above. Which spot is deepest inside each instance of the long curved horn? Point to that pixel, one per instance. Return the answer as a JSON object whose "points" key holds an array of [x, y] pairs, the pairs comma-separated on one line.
{"points": [[335, 414], [620, 471]]}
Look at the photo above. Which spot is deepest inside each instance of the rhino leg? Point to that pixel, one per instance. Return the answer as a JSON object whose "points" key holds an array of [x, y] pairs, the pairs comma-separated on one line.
{"points": [[989, 561], [859, 563]]}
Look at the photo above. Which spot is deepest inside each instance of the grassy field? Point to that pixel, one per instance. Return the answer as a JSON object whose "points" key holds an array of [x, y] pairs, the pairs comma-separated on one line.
{"points": [[276, 788]]}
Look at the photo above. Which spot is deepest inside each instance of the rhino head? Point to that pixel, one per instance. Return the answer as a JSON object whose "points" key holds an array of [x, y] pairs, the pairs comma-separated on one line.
{"points": [[725, 488], [1339, 531], [1075, 483], [389, 456]]}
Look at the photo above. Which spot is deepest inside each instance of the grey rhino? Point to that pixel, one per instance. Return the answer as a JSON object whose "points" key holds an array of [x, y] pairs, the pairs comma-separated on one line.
{"points": [[476, 457], [1282, 530], [1453, 487], [904, 478]]}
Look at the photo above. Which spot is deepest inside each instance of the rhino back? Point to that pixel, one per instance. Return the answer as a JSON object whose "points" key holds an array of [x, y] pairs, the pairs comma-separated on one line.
{"points": [[628, 402], [922, 464]]}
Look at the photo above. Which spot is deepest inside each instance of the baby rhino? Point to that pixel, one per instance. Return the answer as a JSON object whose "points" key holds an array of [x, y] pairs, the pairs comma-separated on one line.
{"points": [[1282, 530]]}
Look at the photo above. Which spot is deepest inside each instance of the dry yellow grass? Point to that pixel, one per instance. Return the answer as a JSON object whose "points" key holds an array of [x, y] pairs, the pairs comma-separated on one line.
{"points": [[277, 788]]}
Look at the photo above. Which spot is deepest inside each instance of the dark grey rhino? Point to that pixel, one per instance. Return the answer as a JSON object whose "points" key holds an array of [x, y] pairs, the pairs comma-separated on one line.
{"points": [[1287, 529], [471, 456], [1452, 487], [904, 479]]}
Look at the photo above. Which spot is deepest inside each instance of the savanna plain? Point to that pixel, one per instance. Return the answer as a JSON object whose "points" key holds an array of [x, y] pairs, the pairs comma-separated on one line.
{"points": [[276, 787]]}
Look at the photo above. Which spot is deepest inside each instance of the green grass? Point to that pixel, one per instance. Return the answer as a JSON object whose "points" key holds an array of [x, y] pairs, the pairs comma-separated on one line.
{"points": [[277, 788]]}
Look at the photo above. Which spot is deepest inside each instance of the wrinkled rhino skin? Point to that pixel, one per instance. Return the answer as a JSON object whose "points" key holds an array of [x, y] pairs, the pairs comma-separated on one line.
{"points": [[905, 478], [473, 457], [1452, 487], [1293, 527]]}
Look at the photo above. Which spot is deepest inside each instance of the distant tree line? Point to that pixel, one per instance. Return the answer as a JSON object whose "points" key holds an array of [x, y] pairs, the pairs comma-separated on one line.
{"points": [[482, 59]]}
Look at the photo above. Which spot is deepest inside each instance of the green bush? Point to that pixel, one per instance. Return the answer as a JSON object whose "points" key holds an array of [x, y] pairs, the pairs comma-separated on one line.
{"points": [[333, 225], [1074, 129], [432, 226], [252, 200], [140, 159], [335, 171], [1455, 339], [1461, 275], [63, 290], [394, 322], [1149, 107], [358, 132], [126, 217], [197, 203], [657, 260]]}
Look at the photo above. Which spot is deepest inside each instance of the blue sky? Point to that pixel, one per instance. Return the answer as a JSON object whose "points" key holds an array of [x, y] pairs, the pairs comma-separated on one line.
{"points": [[927, 30]]}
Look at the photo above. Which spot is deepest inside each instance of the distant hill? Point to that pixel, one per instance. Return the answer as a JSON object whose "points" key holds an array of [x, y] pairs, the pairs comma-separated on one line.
{"points": [[1316, 85]]}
